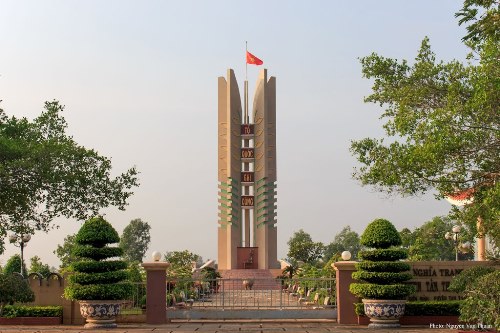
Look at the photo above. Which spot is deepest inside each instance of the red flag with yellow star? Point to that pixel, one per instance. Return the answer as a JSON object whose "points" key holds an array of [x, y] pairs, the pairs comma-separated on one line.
{"points": [[253, 60]]}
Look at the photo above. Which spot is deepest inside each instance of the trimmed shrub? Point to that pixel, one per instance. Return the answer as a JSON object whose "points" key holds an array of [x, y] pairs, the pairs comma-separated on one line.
{"points": [[97, 232], [382, 277], [96, 253], [94, 278], [99, 266], [380, 234], [105, 277], [380, 291], [382, 266], [380, 272], [12, 311], [116, 291], [383, 254]]}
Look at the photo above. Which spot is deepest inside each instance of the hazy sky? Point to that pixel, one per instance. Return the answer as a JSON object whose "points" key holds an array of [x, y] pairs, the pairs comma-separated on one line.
{"points": [[139, 81]]}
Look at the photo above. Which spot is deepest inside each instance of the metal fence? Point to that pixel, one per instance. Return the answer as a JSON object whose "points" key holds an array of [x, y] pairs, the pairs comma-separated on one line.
{"points": [[240, 294]]}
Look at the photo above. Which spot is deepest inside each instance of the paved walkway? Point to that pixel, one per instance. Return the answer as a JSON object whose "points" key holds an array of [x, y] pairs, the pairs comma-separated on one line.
{"points": [[297, 326]]}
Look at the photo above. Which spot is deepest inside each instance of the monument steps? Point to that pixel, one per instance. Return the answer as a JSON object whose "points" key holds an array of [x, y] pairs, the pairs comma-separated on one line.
{"points": [[263, 279]]}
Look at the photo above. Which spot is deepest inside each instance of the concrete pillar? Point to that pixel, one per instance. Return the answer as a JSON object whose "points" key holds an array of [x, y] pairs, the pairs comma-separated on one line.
{"points": [[345, 300], [156, 292]]}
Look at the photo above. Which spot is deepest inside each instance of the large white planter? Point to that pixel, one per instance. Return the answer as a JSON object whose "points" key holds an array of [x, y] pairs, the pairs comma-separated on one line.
{"points": [[384, 313], [100, 314]]}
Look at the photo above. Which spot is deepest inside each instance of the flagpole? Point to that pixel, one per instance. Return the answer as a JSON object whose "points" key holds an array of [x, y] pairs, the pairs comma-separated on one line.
{"points": [[247, 120]]}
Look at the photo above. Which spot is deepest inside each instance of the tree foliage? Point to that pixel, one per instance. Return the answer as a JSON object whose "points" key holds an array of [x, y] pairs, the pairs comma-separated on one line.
{"points": [[345, 240], [181, 263], [36, 266], [44, 173], [427, 242], [65, 252], [135, 240], [13, 265], [13, 288], [442, 120], [302, 248]]}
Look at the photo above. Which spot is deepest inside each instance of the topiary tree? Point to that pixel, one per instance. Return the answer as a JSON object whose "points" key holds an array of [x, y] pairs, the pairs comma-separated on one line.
{"points": [[96, 277], [381, 272]]}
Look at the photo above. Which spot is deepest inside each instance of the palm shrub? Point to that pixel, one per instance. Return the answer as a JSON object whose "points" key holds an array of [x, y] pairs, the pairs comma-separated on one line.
{"points": [[95, 276], [381, 272]]}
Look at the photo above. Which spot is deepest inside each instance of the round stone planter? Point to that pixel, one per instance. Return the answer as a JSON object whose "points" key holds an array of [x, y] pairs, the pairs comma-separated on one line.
{"points": [[100, 314], [384, 313]]}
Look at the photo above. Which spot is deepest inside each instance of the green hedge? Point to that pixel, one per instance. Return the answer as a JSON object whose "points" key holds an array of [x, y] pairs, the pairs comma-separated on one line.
{"points": [[381, 277], [99, 291], [378, 291], [383, 254], [383, 266], [11, 311], [105, 277], [430, 308], [98, 266], [96, 253]]}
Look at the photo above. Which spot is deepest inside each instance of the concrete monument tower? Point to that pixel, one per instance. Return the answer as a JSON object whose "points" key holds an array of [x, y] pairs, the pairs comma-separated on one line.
{"points": [[247, 234]]}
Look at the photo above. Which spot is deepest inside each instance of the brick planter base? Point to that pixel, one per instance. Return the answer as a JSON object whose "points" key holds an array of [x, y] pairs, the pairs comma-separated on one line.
{"points": [[31, 321]]}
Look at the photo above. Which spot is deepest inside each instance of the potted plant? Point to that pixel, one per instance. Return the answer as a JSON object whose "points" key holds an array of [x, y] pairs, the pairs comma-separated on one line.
{"points": [[382, 275], [98, 283]]}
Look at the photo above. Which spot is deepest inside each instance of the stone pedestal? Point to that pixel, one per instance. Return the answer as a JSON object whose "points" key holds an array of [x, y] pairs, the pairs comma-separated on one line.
{"points": [[345, 300], [156, 292]]}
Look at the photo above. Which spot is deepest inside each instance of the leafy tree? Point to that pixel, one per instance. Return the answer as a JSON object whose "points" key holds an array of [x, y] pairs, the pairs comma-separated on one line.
{"points": [[13, 265], [443, 121], [65, 252], [430, 244], [135, 240], [135, 272], [302, 248], [345, 240], [13, 288], [484, 19], [36, 266], [181, 263], [482, 291], [44, 173], [407, 238]]}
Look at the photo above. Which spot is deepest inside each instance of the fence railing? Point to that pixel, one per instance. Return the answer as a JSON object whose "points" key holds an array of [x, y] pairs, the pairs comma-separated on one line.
{"points": [[229, 294]]}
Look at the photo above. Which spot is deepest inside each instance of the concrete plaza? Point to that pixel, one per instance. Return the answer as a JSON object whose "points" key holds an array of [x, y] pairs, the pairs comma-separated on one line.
{"points": [[257, 326]]}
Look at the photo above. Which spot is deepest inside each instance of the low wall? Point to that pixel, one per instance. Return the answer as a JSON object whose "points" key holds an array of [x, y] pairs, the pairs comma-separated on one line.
{"points": [[49, 291]]}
